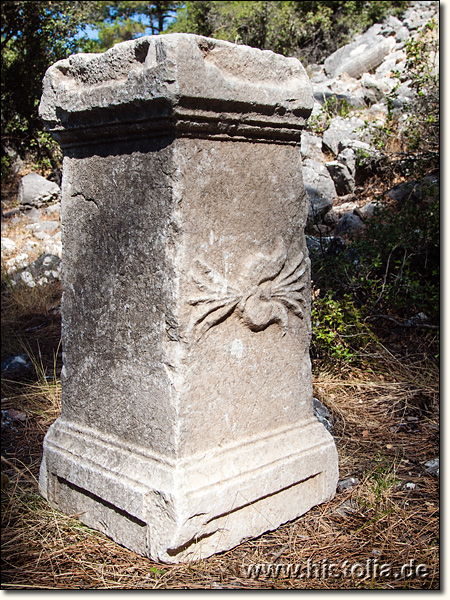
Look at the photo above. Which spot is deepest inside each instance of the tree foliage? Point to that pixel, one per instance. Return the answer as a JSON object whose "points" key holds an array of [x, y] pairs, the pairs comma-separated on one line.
{"points": [[119, 21], [392, 269], [420, 131], [307, 29], [33, 36]]}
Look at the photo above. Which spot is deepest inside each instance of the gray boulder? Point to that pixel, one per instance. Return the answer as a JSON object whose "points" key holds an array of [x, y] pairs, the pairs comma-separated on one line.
{"points": [[403, 96], [8, 245], [53, 209], [345, 207], [316, 73], [404, 191], [427, 188], [368, 161], [333, 63], [35, 190], [402, 34], [32, 215], [386, 67], [348, 158], [342, 90], [416, 18], [392, 25], [349, 225], [46, 269], [320, 189], [368, 210], [356, 145], [363, 55], [376, 88], [340, 132], [331, 219], [7, 214], [311, 146], [314, 246], [48, 227], [343, 180]]}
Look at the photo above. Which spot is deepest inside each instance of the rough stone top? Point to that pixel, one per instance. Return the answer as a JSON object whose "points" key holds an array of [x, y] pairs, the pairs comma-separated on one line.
{"points": [[185, 73]]}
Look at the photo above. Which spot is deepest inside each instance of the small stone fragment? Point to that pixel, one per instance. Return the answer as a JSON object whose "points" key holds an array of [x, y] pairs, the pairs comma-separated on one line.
{"points": [[347, 483], [432, 467]]}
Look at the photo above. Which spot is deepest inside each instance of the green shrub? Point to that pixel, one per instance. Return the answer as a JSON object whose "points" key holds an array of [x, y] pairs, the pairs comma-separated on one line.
{"points": [[392, 267], [339, 331], [310, 30], [398, 267], [398, 258], [332, 107]]}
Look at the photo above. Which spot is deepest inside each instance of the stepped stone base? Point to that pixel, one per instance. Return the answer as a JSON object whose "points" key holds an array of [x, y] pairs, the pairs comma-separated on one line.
{"points": [[190, 509]]}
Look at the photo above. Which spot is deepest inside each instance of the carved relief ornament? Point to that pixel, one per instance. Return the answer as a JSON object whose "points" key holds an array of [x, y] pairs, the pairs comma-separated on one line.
{"points": [[270, 286]]}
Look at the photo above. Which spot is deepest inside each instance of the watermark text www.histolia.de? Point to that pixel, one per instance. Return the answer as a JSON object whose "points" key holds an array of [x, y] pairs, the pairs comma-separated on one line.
{"points": [[372, 568]]}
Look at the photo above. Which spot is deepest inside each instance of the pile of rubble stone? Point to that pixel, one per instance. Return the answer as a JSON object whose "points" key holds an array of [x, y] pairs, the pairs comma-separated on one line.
{"points": [[360, 76]]}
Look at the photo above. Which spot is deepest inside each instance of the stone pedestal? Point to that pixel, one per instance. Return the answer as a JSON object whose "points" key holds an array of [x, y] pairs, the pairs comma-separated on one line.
{"points": [[187, 423]]}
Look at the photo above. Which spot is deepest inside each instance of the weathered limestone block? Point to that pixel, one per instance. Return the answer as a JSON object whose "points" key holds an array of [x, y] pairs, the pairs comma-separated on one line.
{"points": [[187, 421], [363, 55]]}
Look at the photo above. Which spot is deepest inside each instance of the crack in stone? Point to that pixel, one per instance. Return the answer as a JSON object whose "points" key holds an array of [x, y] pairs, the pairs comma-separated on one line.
{"points": [[194, 540], [288, 487], [83, 197]]}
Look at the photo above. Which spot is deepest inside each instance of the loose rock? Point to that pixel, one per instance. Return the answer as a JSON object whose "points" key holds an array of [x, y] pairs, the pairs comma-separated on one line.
{"points": [[8, 245], [341, 131], [349, 224], [345, 207], [342, 178], [347, 483], [432, 467], [46, 269], [323, 414], [365, 54], [347, 508], [35, 190], [311, 147], [368, 210], [320, 189], [16, 364]]}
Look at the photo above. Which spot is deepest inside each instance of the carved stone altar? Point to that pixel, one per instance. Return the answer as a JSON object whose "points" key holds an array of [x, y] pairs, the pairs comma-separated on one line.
{"points": [[187, 422]]}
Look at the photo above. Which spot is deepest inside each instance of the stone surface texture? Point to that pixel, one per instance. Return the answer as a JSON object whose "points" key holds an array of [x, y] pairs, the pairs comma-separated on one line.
{"points": [[187, 421], [344, 181], [365, 54], [35, 190], [320, 189], [340, 130]]}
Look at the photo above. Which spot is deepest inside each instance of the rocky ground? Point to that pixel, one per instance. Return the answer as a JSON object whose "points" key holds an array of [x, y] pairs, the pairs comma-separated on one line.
{"points": [[357, 81]]}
